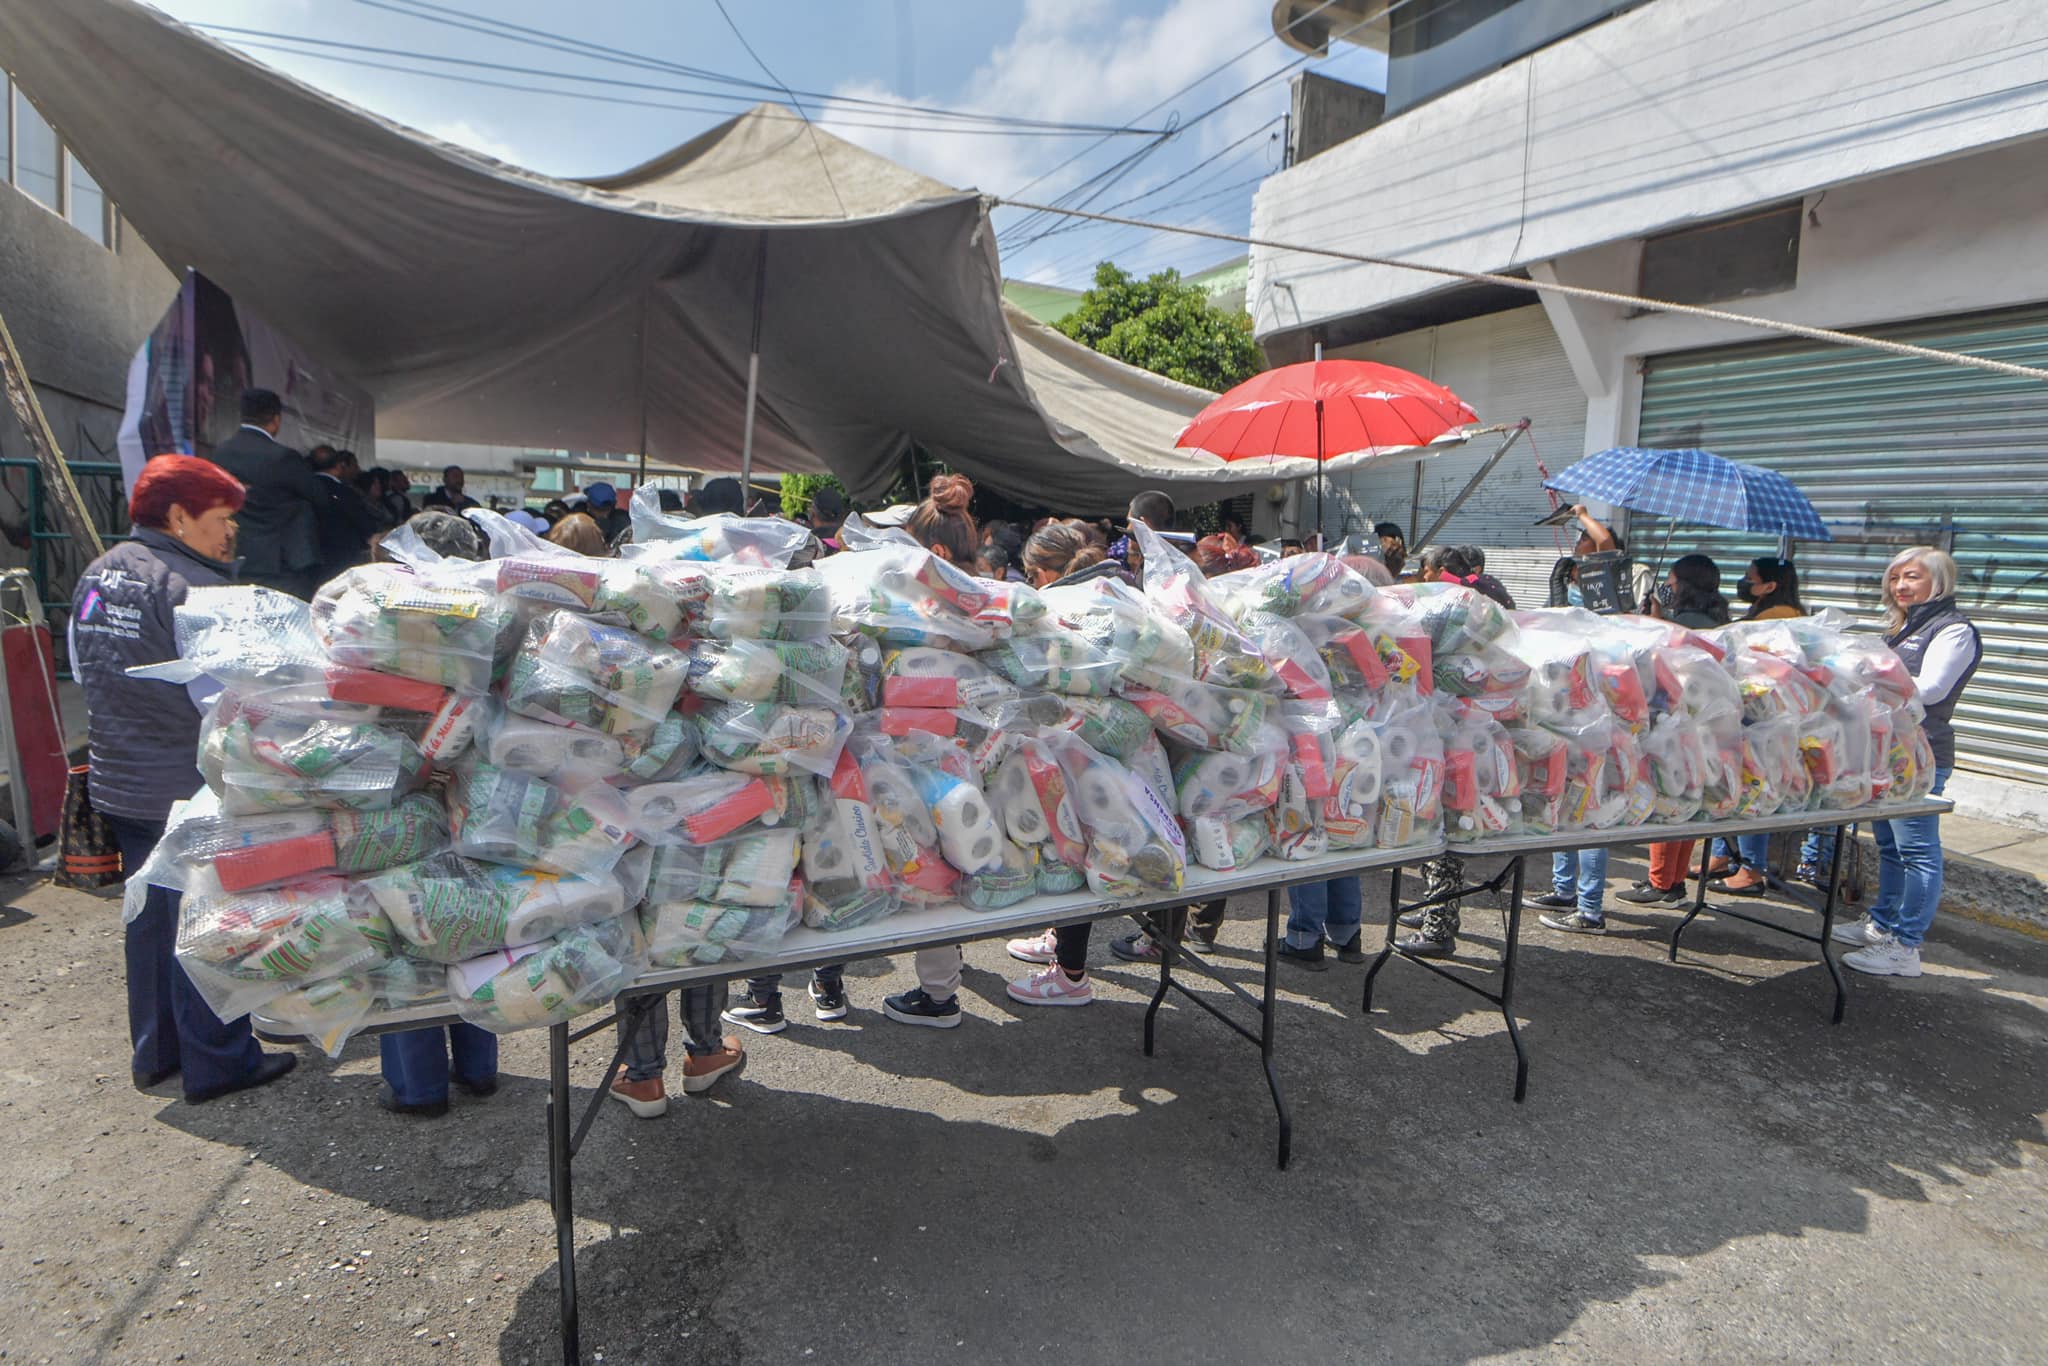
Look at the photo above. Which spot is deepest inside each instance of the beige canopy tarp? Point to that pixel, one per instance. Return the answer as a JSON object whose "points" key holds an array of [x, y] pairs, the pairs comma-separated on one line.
{"points": [[477, 301]]}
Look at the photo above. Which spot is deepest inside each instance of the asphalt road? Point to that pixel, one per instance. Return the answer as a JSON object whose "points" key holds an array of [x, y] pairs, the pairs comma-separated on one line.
{"points": [[1705, 1169]]}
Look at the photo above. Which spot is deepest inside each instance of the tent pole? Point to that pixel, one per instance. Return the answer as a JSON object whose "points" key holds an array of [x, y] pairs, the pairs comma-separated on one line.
{"points": [[642, 477], [753, 375], [1322, 470]]}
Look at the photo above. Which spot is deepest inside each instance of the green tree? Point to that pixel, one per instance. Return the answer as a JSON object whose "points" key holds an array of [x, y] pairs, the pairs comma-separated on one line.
{"points": [[798, 488], [1166, 326]]}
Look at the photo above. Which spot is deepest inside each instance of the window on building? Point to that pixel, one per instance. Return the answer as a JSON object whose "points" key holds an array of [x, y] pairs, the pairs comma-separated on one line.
{"points": [[86, 204], [547, 479], [37, 157], [1756, 253], [6, 129]]}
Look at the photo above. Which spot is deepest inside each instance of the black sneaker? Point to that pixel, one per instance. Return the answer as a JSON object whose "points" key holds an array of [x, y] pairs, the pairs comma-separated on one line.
{"points": [[1411, 920], [830, 1001], [1551, 901], [1578, 922], [1351, 950], [913, 1007], [763, 1017], [428, 1109], [1310, 958], [1650, 894]]}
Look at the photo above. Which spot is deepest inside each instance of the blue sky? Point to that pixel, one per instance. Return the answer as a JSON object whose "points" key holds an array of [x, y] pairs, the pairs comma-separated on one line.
{"points": [[1096, 62]]}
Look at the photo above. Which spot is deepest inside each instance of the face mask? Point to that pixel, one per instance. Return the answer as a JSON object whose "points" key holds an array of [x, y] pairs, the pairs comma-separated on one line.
{"points": [[1746, 591]]}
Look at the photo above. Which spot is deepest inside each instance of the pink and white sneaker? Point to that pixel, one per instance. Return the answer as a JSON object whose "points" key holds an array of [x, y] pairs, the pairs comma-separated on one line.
{"points": [[1037, 949], [1052, 987]]}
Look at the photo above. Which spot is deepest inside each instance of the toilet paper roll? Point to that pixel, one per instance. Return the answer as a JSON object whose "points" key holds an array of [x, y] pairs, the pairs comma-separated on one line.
{"points": [[968, 835], [544, 749]]}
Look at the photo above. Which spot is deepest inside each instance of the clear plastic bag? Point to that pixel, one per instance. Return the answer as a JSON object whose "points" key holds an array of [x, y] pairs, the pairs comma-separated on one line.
{"points": [[904, 828], [1122, 625], [1227, 845], [579, 672], [767, 541], [1290, 654], [550, 983], [259, 761], [552, 749], [920, 676], [905, 595], [244, 949], [1229, 787], [244, 637], [1029, 793], [1224, 653], [1357, 774], [623, 591], [1412, 784], [248, 853], [1456, 618], [504, 816], [1112, 725], [683, 934], [742, 603], [326, 1012], [771, 739], [753, 870], [1316, 583], [845, 877], [437, 626], [1346, 648], [708, 804], [805, 672], [449, 909], [1202, 714], [1055, 659], [668, 751], [1675, 750], [1482, 797], [1134, 842]]}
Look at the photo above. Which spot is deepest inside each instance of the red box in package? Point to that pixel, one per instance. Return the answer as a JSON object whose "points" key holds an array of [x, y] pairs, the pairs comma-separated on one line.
{"points": [[921, 692], [1314, 765], [280, 861], [1299, 682], [728, 814], [1358, 645], [903, 720], [370, 688], [1461, 785]]}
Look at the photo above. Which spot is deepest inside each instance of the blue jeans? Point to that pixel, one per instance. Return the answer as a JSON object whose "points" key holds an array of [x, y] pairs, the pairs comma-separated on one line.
{"points": [[416, 1061], [169, 1022], [1319, 910], [1818, 849], [1909, 873], [1753, 850], [1581, 873]]}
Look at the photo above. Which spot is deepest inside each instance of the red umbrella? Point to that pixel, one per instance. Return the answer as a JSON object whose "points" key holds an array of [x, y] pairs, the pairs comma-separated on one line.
{"points": [[1324, 408]]}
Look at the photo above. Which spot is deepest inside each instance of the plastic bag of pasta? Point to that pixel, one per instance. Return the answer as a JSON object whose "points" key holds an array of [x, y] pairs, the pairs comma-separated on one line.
{"points": [[505, 816], [259, 761], [753, 870], [433, 626], [578, 672], [243, 949], [448, 909], [769, 738], [552, 982]]}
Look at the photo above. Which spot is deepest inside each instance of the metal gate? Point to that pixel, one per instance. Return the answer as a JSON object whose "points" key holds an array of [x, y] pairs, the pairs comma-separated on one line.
{"points": [[1894, 451]]}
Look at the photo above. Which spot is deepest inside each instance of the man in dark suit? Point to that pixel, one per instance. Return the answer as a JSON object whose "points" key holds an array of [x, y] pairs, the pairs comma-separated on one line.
{"points": [[279, 536], [346, 524], [450, 494]]}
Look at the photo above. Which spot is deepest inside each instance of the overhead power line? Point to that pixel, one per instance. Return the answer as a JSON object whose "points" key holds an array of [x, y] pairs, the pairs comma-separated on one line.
{"points": [[1604, 296], [824, 164]]}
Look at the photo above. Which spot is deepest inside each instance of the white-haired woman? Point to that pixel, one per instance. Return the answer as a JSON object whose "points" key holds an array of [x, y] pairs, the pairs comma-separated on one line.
{"points": [[1942, 650]]}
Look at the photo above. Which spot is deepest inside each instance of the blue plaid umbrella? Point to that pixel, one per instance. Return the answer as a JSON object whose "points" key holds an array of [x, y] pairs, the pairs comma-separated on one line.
{"points": [[1694, 486]]}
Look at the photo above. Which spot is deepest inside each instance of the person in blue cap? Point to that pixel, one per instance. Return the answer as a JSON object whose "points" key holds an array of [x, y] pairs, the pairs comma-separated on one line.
{"points": [[611, 519]]}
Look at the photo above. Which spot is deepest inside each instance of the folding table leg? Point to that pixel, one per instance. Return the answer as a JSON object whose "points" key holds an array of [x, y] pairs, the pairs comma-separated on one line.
{"points": [[559, 1196], [1165, 934], [1827, 921], [1393, 928], [1508, 954], [1266, 1024], [1699, 898]]}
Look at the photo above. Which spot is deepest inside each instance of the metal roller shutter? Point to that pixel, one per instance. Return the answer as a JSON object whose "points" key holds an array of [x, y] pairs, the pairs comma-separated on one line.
{"points": [[1507, 366], [1892, 450]]}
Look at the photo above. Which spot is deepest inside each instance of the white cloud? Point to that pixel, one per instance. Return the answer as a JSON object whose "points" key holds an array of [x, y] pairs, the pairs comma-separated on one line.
{"points": [[463, 133]]}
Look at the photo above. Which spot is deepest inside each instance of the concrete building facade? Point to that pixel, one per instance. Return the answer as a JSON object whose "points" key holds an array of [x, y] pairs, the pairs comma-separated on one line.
{"points": [[1869, 165]]}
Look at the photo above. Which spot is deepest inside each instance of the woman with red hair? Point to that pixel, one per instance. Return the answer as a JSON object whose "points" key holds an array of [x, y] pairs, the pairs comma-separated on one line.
{"points": [[144, 746]]}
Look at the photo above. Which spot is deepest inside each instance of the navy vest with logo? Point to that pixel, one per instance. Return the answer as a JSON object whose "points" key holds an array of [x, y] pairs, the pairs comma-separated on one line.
{"points": [[1925, 621]]}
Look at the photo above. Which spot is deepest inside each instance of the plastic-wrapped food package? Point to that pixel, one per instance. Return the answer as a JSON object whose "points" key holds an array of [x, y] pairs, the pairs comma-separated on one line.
{"points": [[1482, 796], [1491, 678], [1314, 583], [1397, 631], [243, 949], [1835, 747], [753, 870], [1909, 756], [1290, 653], [1632, 778], [1349, 656], [505, 816], [551, 749], [1351, 811], [1412, 779], [1773, 775], [1773, 687], [707, 804], [402, 980], [742, 603], [845, 877], [970, 834], [245, 853], [683, 934], [908, 835], [736, 540], [920, 676], [1029, 793], [1014, 878], [1118, 622], [986, 737], [1674, 750], [1134, 842], [669, 750], [1202, 714], [1225, 654], [808, 672], [448, 908], [1227, 786], [1151, 765], [436, 627], [771, 739], [325, 1012], [261, 762], [551, 982], [905, 595], [1227, 845], [624, 591], [244, 637], [1010, 608], [579, 672], [1456, 618], [1110, 724], [1721, 791], [862, 690], [1296, 826], [1543, 760]]}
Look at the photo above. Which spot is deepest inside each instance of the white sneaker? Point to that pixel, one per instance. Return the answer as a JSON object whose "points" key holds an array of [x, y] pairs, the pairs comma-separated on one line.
{"points": [[1037, 949], [1886, 957], [1052, 987], [1859, 934]]}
